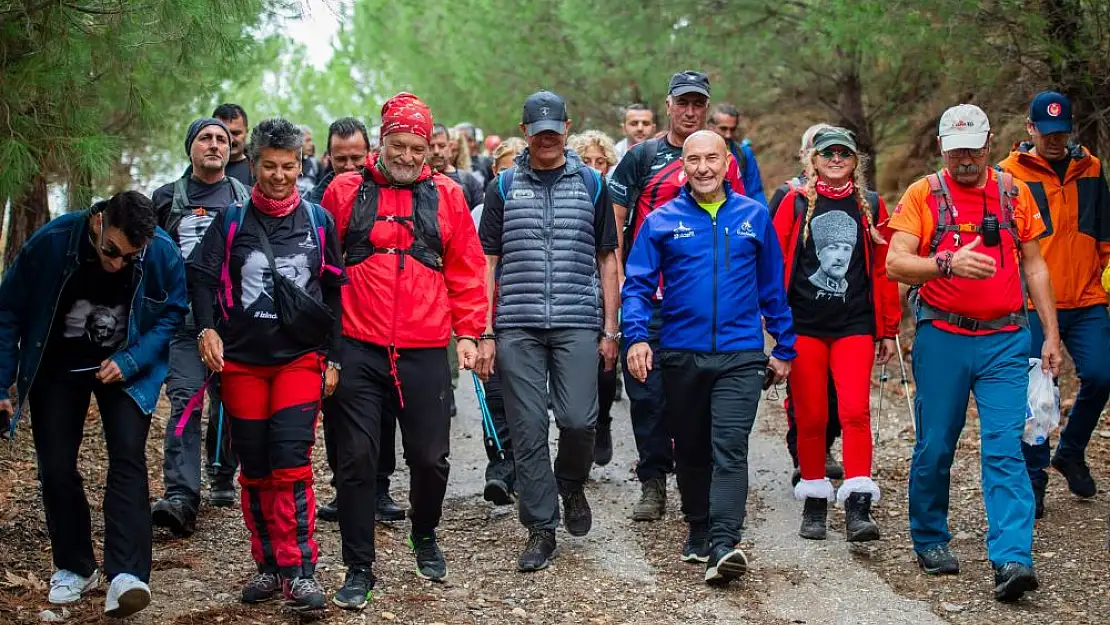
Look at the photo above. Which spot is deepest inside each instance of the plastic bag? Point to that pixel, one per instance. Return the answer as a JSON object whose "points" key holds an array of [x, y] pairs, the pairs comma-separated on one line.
{"points": [[1042, 406]]}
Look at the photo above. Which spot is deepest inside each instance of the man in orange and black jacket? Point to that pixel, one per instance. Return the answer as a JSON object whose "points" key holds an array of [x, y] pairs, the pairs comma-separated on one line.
{"points": [[1068, 184]]}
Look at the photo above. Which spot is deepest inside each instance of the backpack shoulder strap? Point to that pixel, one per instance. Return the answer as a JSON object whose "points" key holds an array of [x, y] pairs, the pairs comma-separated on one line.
{"points": [[939, 189], [873, 201], [239, 190], [505, 183], [592, 179], [180, 202]]}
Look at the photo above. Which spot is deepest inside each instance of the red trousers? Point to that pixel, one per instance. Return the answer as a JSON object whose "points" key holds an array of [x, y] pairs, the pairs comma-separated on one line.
{"points": [[272, 414], [848, 360]]}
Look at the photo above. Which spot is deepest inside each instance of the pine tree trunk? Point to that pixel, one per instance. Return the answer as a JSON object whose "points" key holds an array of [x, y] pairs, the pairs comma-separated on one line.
{"points": [[27, 214]]}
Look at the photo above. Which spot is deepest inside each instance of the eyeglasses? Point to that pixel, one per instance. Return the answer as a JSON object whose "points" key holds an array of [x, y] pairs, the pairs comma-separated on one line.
{"points": [[111, 251], [830, 154], [967, 152]]}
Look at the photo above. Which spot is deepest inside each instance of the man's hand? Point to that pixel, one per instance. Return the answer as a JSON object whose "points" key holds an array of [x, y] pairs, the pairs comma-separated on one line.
{"points": [[487, 353], [781, 369], [967, 263], [331, 380], [211, 349], [887, 349], [467, 351], [639, 360], [1051, 358], [109, 372], [608, 350]]}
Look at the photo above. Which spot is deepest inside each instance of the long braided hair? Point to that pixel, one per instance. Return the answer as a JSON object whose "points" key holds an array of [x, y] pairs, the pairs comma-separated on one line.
{"points": [[861, 195]]}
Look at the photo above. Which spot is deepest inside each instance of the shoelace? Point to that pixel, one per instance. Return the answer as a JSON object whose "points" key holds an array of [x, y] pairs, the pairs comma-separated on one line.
{"points": [[67, 579], [426, 549], [265, 580], [535, 541], [302, 586]]}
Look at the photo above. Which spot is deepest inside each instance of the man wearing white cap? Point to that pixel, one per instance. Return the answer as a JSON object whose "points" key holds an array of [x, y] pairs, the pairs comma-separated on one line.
{"points": [[963, 237]]}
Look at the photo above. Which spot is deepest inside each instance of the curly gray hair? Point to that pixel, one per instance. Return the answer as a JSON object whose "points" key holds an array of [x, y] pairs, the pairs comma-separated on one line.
{"points": [[274, 132]]}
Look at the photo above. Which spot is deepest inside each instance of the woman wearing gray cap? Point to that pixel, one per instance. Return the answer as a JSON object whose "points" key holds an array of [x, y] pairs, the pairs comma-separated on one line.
{"points": [[843, 304]]}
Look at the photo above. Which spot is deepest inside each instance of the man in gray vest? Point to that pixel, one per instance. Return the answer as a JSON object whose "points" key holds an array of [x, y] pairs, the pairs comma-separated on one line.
{"points": [[548, 222]]}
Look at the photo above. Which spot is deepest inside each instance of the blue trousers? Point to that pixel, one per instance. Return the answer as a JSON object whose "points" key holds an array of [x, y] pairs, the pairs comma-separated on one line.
{"points": [[947, 368], [1086, 334]]}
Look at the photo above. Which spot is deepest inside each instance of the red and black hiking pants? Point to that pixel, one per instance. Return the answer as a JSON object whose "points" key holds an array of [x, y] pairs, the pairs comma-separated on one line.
{"points": [[272, 412], [848, 362]]}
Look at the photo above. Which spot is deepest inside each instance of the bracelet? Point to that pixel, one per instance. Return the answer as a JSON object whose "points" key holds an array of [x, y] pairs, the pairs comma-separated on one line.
{"points": [[944, 264], [200, 335], [487, 336], [467, 338], [611, 336], [335, 365]]}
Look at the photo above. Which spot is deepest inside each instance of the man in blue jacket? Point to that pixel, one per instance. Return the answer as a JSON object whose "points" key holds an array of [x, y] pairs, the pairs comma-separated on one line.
{"points": [[87, 308], [725, 121], [722, 274]]}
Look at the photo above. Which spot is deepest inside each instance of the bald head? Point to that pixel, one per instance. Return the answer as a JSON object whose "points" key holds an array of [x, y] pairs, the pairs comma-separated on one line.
{"points": [[705, 160]]}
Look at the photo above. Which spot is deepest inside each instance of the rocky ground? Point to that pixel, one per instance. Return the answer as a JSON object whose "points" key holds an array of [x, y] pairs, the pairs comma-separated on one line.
{"points": [[623, 572]]}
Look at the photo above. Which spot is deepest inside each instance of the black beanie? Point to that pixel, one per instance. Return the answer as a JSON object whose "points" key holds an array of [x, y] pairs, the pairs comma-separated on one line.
{"points": [[199, 125]]}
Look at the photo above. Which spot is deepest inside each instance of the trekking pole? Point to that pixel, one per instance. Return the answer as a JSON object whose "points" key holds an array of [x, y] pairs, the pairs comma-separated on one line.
{"points": [[905, 381], [879, 412], [489, 430], [219, 435]]}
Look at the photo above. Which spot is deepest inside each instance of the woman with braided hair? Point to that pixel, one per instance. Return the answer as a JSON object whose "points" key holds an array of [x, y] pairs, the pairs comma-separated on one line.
{"points": [[843, 305]]}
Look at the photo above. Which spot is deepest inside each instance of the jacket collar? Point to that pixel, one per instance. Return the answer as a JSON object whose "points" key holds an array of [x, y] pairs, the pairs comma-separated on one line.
{"points": [[573, 164], [1023, 151]]}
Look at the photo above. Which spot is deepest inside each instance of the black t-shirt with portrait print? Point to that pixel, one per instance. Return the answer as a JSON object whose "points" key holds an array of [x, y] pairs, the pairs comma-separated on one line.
{"points": [[90, 321], [830, 291]]}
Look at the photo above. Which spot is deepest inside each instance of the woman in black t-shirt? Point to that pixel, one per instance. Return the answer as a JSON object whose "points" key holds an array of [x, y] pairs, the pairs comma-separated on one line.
{"points": [[273, 266], [843, 304]]}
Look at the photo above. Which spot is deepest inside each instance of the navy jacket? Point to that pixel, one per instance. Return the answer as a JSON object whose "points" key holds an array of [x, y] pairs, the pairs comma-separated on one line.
{"points": [[33, 284], [721, 278]]}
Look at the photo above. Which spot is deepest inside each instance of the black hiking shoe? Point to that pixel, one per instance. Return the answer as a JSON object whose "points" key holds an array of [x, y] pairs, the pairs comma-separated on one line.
{"points": [[938, 560], [497, 492], [577, 517], [387, 510], [653, 500], [430, 563], [261, 588], [815, 516], [1039, 489], [329, 512], [538, 551], [357, 590], [696, 548], [304, 594], [1078, 475], [1012, 580], [221, 494], [725, 564], [833, 469], [174, 515], [796, 476], [859, 527], [603, 443]]}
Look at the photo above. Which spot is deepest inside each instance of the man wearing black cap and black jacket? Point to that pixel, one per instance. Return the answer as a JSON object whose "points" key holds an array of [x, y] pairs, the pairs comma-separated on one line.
{"points": [[649, 176], [184, 209], [548, 223]]}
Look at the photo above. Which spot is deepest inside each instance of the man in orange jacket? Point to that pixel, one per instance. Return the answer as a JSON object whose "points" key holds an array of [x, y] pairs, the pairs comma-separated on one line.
{"points": [[1068, 184]]}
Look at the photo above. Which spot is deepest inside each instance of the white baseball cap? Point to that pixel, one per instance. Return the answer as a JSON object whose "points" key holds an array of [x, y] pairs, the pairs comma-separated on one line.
{"points": [[963, 126]]}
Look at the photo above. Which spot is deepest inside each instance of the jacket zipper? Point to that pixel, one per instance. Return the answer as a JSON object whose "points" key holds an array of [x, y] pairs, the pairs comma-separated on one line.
{"points": [[549, 236], [714, 285], [728, 257]]}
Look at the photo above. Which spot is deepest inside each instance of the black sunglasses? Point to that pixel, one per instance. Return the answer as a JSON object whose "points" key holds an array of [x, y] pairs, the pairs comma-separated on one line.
{"points": [[113, 252], [831, 153]]}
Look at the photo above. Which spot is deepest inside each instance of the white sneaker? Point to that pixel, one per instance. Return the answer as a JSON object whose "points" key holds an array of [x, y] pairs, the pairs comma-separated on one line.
{"points": [[126, 596], [67, 587]]}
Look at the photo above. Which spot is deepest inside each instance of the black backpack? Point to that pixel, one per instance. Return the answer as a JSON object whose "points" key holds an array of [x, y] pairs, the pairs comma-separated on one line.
{"points": [[427, 242]]}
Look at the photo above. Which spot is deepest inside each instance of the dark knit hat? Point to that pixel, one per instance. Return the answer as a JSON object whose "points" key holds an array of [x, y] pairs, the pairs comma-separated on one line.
{"points": [[199, 125]]}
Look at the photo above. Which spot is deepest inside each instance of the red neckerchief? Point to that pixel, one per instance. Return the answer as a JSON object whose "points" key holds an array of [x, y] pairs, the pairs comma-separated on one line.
{"points": [[274, 208], [835, 193]]}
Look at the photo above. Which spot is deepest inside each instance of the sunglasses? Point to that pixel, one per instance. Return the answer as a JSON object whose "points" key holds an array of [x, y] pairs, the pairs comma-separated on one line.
{"points": [[831, 153], [111, 251], [967, 152]]}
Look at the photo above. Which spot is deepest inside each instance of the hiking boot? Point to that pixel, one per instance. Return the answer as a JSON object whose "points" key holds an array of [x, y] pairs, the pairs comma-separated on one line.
{"points": [[1039, 489], [653, 500], [329, 512], [603, 443], [1075, 471], [357, 590], [261, 588], [221, 494], [796, 476], [127, 595], [430, 563], [304, 594], [174, 515], [577, 517], [497, 492], [859, 527], [815, 516], [938, 560], [696, 548], [387, 510], [833, 469], [538, 551], [1012, 580], [67, 587], [725, 564]]}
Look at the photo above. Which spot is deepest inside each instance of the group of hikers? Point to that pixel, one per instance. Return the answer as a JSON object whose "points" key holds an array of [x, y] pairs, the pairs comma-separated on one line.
{"points": [[279, 291]]}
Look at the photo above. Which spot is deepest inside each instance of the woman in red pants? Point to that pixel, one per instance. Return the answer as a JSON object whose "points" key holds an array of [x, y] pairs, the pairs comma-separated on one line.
{"points": [[843, 304], [272, 268]]}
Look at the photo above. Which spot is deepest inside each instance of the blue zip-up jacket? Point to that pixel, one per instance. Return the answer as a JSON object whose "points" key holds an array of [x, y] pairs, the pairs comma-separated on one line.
{"points": [[33, 285], [753, 182], [720, 278]]}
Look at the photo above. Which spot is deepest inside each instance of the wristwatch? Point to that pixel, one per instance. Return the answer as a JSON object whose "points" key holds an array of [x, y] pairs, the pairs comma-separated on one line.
{"points": [[612, 336], [335, 365]]}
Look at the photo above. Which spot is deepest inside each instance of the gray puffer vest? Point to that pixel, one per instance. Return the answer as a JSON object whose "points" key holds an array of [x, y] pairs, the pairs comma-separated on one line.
{"points": [[549, 276]]}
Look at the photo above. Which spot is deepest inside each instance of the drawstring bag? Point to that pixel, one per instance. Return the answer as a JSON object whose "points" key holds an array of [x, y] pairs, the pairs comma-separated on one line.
{"points": [[1042, 408]]}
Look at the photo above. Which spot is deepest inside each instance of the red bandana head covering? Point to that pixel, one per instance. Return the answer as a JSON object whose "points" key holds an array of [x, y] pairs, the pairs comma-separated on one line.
{"points": [[405, 112]]}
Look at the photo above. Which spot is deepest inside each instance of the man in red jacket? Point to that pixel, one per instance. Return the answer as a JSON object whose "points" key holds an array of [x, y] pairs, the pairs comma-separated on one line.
{"points": [[416, 274]]}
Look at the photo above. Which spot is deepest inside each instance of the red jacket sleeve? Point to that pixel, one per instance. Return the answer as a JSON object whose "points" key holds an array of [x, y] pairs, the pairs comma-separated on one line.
{"points": [[785, 222], [464, 264], [733, 177], [887, 300]]}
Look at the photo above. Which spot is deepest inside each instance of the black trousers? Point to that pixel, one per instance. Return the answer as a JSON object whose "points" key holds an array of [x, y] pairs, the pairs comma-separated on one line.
{"points": [[387, 456], [366, 395], [711, 407], [606, 392], [832, 429], [60, 403]]}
